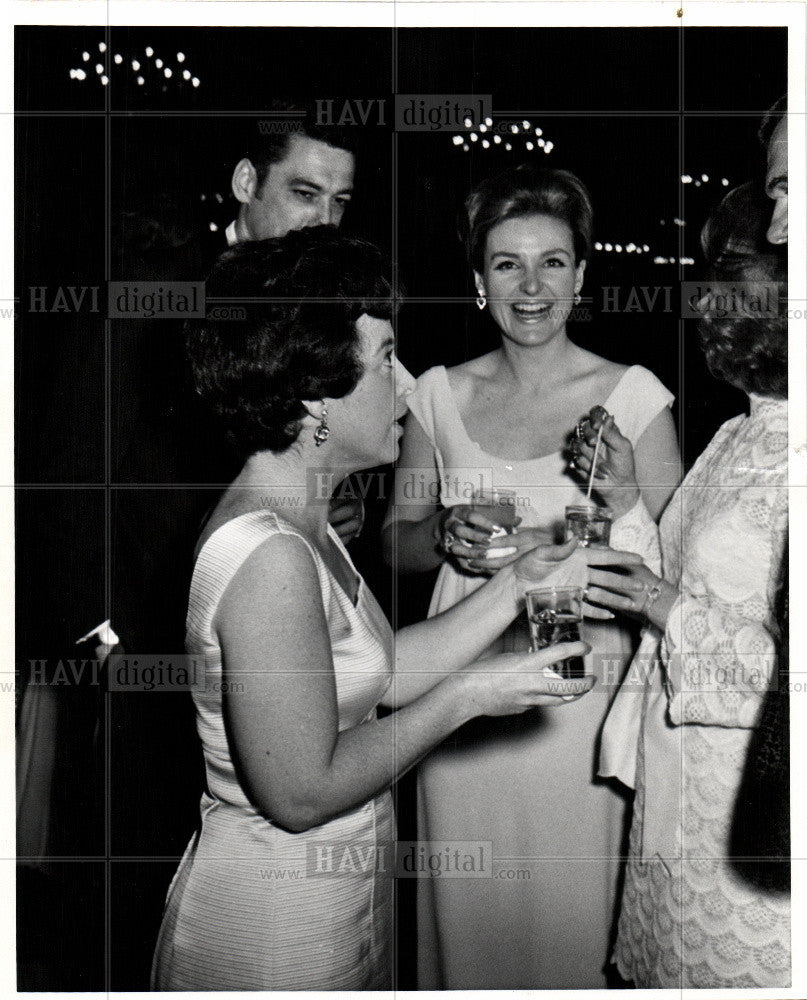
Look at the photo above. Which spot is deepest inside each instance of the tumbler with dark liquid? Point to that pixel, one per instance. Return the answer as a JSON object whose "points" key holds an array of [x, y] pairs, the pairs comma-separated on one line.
{"points": [[555, 615], [590, 525], [498, 506]]}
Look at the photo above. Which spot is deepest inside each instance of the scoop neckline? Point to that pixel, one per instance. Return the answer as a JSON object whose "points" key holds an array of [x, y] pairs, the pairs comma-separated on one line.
{"points": [[511, 461]]}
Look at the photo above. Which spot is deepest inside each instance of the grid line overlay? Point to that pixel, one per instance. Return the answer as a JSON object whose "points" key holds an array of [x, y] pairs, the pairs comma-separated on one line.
{"points": [[110, 486]]}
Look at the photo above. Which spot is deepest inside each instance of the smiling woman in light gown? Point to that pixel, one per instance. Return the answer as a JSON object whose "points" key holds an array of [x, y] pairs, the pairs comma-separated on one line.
{"points": [[528, 785]]}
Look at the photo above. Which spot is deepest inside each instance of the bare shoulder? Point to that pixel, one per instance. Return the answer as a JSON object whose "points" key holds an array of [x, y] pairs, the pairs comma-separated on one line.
{"points": [[593, 366], [465, 379], [278, 575]]}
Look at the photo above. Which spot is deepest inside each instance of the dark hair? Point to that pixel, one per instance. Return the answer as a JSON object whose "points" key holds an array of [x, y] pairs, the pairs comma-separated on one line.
{"points": [[526, 190], [267, 145], [744, 348], [770, 120], [293, 338]]}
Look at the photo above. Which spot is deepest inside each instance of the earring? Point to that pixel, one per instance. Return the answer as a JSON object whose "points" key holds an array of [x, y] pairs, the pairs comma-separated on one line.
{"points": [[481, 301], [322, 430], [577, 298]]}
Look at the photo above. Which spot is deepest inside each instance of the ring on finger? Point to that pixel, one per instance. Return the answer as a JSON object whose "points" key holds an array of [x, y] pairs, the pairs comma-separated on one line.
{"points": [[448, 540]]}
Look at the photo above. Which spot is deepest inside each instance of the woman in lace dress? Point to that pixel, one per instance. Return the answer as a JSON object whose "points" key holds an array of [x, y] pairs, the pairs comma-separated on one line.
{"points": [[680, 728], [528, 786], [287, 884]]}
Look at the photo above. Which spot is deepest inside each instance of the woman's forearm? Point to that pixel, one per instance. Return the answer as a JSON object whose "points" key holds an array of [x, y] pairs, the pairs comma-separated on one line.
{"points": [[426, 651], [414, 546]]}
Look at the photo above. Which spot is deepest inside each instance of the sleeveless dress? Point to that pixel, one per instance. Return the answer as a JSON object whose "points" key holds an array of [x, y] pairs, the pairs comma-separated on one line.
{"points": [[527, 784], [254, 906], [683, 721]]}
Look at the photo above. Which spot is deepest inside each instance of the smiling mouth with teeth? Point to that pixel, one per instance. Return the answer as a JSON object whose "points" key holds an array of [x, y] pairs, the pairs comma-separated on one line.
{"points": [[531, 309]]}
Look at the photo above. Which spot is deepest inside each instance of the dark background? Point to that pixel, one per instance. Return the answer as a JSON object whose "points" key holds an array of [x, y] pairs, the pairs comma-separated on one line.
{"points": [[103, 433]]}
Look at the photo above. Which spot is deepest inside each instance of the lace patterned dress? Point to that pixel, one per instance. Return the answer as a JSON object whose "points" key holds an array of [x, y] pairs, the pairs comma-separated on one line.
{"points": [[689, 703]]}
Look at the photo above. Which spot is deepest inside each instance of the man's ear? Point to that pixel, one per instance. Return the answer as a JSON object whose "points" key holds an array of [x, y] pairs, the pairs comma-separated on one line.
{"points": [[245, 181]]}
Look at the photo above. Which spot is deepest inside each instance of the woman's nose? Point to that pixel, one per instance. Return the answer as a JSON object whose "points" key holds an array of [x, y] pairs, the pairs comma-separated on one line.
{"points": [[531, 282], [404, 381]]}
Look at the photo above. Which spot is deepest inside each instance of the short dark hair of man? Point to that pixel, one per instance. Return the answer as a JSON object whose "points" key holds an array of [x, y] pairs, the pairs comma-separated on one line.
{"points": [[770, 120], [268, 139], [295, 337], [742, 346]]}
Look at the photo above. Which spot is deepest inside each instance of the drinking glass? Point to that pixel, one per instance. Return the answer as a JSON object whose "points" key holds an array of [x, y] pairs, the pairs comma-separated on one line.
{"points": [[498, 506], [555, 615], [590, 525]]}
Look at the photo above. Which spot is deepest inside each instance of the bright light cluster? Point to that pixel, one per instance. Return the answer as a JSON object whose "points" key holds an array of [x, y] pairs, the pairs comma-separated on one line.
{"points": [[485, 136], [619, 248], [166, 72]]}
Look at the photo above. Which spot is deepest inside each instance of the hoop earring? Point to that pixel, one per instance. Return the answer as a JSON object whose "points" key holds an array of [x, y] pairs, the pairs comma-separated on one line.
{"points": [[577, 298], [481, 302], [322, 430]]}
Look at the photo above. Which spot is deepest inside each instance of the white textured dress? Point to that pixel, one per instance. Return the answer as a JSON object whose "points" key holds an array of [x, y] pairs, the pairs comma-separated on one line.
{"points": [[254, 906], [680, 728], [527, 784]]}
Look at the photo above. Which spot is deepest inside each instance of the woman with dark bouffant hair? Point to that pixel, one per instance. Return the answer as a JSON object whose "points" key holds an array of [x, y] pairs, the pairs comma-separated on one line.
{"points": [[287, 885], [680, 728], [505, 420]]}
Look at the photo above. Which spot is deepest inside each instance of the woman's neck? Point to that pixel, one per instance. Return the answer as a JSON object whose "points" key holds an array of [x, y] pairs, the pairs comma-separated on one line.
{"points": [[289, 485], [534, 367]]}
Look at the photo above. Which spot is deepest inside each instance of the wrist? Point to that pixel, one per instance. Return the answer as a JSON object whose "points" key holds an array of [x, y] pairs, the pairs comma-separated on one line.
{"points": [[659, 603], [623, 499]]}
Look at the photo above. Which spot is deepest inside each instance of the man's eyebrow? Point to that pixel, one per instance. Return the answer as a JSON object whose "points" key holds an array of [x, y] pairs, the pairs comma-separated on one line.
{"points": [[385, 345], [307, 182], [774, 182]]}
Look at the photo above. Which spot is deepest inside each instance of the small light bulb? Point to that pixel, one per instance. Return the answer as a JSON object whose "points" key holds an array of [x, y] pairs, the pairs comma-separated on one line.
{"points": [[618, 248], [85, 56], [485, 144], [195, 81], [530, 146], [508, 147], [539, 131], [118, 58], [104, 81], [102, 46], [598, 246], [541, 143], [705, 178], [99, 69], [465, 147], [158, 63], [467, 123], [608, 247], [514, 129], [489, 122], [213, 227], [525, 125], [473, 136], [135, 65], [180, 57], [186, 74], [497, 139], [140, 81], [457, 140], [483, 127], [80, 74], [725, 182], [646, 248], [149, 51]]}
